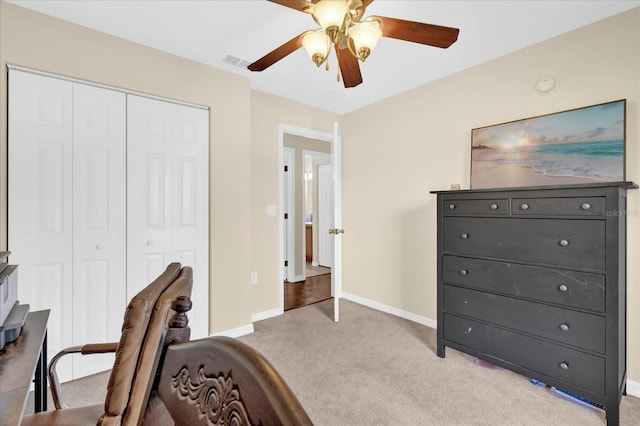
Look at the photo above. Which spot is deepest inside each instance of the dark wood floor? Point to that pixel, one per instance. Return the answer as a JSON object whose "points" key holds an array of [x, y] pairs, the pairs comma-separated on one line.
{"points": [[303, 293]]}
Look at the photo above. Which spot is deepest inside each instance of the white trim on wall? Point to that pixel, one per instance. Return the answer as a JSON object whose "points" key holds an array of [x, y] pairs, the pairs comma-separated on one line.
{"points": [[391, 310], [298, 131], [260, 316], [237, 332], [633, 388]]}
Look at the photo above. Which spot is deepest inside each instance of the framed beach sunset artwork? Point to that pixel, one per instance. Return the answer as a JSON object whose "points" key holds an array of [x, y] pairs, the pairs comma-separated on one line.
{"points": [[582, 145]]}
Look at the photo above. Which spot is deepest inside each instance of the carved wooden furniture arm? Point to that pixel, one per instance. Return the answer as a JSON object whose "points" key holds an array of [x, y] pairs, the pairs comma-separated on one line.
{"points": [[88, 349]]}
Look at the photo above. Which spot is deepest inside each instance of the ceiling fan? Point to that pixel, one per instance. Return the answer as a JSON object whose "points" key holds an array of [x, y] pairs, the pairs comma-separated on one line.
{"points": [[352, 37]]}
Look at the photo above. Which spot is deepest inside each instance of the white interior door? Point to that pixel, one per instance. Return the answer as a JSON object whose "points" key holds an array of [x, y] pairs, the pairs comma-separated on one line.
{"points": [[168, 197], [99, 222], [336, 271], [325, 215], [39, 208]]}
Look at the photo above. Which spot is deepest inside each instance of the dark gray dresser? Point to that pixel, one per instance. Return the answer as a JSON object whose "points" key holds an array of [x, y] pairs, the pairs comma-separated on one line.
{"points": [[533, 279]]}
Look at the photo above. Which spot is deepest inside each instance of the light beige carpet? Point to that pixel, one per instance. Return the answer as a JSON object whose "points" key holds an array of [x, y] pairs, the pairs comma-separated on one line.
{"points": [[372, 368]]}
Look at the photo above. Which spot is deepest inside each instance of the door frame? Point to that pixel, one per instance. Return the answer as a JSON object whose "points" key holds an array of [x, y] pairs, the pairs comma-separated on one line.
{"points": [[307, 133], [287, 188]]}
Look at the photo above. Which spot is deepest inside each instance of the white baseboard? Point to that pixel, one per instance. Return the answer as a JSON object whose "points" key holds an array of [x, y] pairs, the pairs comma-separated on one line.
{"points": [[633, 388], [266, 314], [391, 310], [236, 332]]}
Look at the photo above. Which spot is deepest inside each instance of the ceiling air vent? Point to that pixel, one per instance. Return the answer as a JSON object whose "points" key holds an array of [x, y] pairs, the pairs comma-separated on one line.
{"points": [[235, 61]]}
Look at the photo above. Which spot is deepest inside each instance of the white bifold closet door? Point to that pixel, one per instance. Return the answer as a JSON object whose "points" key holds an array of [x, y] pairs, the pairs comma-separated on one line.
{"points": [[105, 189], [167, 197], [66, 210]]}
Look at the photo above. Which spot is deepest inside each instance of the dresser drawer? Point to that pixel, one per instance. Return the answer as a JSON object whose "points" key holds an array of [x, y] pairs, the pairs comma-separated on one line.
{"points": [[579, 206], [578, 329], [573, 243], [569, 288], [496, 206], [567, 365]]}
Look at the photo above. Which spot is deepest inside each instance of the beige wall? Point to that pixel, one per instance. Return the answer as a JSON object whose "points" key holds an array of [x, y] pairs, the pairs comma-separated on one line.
{"points": [[396, 151], [267, 113], [37, 41]]}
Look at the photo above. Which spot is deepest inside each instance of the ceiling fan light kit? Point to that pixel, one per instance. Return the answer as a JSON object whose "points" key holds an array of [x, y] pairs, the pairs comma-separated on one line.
{"points": [[317, 43], [342, 26]]}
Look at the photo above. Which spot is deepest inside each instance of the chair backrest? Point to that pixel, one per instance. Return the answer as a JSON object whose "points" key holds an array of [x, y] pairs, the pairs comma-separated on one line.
{"points": [[132, 348], [219, 380], [153, 345]]}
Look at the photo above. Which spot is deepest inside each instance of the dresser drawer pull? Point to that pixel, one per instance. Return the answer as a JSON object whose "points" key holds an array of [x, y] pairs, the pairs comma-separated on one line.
{"points": [[463, 272], [494, 206], [452, 206], [585, 206], [564, 243], [564, 327], [464, 236], [524, 206], [564, 365], [563, 288]]}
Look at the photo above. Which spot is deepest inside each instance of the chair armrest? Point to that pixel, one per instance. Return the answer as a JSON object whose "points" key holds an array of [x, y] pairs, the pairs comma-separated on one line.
{"points": [[99, 348], [88, 349]]}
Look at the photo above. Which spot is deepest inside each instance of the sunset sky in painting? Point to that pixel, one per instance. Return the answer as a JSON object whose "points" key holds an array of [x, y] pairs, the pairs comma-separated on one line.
{"points": [[597, 123]]}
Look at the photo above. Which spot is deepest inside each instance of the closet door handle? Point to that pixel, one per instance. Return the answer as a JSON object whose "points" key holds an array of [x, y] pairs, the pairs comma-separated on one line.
{"points": [[99, 246], [150, 242]]}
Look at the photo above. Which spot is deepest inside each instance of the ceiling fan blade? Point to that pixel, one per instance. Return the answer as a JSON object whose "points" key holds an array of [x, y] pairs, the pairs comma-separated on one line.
{"points": [[349, 67], [278, 53], [417, 32], [301, 5]]}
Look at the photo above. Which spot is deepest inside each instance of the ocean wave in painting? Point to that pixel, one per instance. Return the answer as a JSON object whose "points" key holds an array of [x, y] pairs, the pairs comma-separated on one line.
{"points": [[603, 160]]}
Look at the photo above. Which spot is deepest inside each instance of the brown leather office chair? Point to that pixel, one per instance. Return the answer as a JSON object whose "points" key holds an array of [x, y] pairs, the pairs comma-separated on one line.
{"points": [[137, 355]]}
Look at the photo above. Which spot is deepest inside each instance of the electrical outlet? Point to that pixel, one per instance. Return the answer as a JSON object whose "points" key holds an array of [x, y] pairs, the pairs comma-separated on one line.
{"points": [[254, 278]]}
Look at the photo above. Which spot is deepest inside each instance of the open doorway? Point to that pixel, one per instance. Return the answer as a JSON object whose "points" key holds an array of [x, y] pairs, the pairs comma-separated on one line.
{"points": [[308, 189]]}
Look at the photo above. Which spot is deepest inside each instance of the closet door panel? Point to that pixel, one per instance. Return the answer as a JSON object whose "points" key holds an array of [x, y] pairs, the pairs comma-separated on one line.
{"points": [[148, 193], [190, 214], [168, 193], [39, 208], [99, 209]]}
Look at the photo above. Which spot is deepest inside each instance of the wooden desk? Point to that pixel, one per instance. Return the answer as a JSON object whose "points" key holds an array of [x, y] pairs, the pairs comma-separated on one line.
{"points": [[20, 362]]}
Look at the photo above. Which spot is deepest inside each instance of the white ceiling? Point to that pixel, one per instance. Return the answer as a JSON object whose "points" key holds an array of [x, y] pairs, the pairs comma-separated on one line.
{"points": [[207, 31]]}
